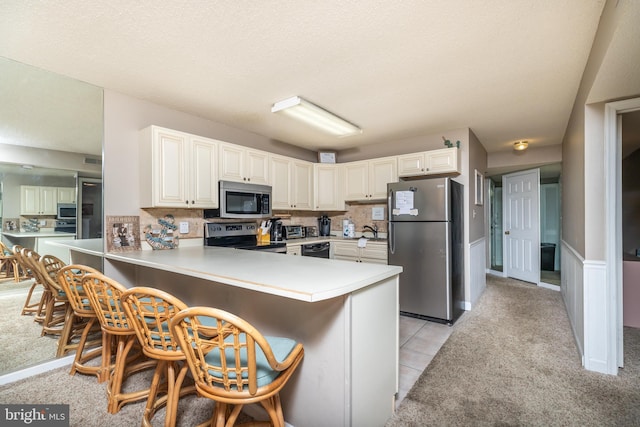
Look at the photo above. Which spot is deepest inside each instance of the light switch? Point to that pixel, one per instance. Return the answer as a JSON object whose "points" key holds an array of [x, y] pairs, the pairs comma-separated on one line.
{"points": [[184, 227], [377, 214]]}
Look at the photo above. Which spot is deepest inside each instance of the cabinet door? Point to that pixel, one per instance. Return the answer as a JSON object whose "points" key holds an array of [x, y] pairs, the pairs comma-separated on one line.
{"points": [[48, 200], [345, 251], [411, 164], [203, 167], [294, 250], [170, 178], [231, 159], [280, 182], [382, 171], [327, 184], [302, 185], [374, 253], [442, 161], [257, 167], [66, 195], [356, 177], [29, 200]]}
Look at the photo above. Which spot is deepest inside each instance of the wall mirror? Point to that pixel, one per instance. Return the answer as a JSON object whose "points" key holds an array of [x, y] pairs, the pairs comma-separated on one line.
{"points": [[51, 132]]}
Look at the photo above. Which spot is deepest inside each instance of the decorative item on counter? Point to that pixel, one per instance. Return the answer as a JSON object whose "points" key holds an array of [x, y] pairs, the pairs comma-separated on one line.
{"points": [[162, 237], [449, 144], [11, 225], [345, 228], [123, 233], [31, 225]]}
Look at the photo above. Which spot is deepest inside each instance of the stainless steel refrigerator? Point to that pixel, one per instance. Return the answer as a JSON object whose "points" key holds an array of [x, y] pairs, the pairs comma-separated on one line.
{"points": [[426, 238]]}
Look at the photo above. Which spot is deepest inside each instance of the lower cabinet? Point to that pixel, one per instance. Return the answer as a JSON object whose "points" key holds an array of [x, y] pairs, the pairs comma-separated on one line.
{"points": [[294, 250], [374, 252]]}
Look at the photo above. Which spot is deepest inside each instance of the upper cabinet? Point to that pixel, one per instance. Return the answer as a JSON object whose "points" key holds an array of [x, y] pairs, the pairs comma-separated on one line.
{"points": [[328, 187], [367, 180], [445, 160], [291, 183], [241, 164], [36, 200], [177, 169], [66, 195]]}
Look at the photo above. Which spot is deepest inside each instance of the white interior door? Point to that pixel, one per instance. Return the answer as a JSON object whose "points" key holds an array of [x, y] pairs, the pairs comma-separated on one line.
{"points": [[522, 225]]}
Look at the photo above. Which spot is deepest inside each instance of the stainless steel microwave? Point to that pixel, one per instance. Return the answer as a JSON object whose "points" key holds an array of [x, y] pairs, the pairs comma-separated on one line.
{"points": [[66, 211], [242, 200]]}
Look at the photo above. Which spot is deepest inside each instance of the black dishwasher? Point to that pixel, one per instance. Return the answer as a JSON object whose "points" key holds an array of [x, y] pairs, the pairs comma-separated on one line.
{"points": [[318, 250]]}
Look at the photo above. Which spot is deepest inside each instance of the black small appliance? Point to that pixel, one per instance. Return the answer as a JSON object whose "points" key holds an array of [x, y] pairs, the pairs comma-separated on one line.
{"points": [[276, 230], [324, 225]]}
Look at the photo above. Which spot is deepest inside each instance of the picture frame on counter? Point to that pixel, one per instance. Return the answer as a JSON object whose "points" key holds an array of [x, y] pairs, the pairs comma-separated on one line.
{"points": [[123, 233]]}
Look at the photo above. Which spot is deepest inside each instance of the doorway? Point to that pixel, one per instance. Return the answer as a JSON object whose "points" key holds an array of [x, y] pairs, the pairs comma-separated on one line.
{"points": [[550, 225], [89, 222]]}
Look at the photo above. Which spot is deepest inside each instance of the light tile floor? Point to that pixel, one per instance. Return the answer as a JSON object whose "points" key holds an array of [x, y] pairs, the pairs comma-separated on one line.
{"points": [[420, 340]]}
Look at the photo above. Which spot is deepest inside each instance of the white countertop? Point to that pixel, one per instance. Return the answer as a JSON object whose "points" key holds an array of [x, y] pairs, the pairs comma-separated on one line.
{"points": [[302, 278], [23, 234], [87, 246]]}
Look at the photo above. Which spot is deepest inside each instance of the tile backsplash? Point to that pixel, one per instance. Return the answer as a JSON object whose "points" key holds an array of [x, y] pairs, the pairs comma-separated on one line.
{"points": [[359, 213]]}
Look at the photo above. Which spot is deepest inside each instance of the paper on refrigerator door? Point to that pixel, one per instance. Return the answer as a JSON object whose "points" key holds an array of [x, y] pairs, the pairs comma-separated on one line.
{"points": [[404, 203]]}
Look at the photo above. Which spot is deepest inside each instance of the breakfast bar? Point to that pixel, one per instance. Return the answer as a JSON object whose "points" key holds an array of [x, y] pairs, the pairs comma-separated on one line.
{"points": [[345, 314]]}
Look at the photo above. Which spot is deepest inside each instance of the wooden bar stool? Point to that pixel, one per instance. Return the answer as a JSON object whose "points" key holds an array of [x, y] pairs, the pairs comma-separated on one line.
{"points": [[8, 264], [24, 271], [105, 296], [70, 280], [149, 311], [233, 364], [55, 301]]}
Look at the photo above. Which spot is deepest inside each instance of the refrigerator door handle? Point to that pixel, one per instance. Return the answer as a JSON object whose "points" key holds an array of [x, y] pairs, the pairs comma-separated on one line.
{"points": [[390, 237]]}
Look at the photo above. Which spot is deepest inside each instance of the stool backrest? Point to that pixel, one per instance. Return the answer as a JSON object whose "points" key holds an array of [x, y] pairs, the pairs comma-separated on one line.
{"points": [[104, 294], [149, 311], [70, 278]]}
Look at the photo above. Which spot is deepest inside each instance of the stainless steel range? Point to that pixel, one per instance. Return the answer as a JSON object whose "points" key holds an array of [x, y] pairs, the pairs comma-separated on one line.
{"points": [[239, 235]]}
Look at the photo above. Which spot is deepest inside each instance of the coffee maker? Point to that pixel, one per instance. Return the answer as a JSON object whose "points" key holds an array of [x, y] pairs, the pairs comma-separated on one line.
{"points": [[324, 225], [276, 230]]}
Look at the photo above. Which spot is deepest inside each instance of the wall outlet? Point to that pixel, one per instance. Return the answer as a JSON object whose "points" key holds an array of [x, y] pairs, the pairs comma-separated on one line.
{"points": [[377, 214], [184, 227]]}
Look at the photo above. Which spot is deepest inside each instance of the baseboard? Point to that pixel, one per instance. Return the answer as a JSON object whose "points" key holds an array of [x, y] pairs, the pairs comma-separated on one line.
{"points": [[35, 370]]}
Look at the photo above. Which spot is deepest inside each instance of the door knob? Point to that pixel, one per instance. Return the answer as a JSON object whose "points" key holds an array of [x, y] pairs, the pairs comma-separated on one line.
{"points": [[507, 232]]}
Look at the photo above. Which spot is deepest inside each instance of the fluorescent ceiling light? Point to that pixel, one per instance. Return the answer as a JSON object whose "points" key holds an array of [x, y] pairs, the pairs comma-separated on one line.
{"points": [[310, 113]]}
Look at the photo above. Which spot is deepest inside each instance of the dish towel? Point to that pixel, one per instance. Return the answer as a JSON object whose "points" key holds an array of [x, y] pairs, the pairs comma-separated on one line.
{"points": [[362, 242]]}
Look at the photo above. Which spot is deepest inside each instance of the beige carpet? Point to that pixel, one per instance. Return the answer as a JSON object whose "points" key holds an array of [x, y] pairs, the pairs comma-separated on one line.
{"points": [[20, 337], [512, 361]]}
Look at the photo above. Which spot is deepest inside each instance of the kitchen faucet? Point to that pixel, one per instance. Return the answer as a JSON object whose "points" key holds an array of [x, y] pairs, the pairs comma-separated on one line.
{"points": [[373, 229]]}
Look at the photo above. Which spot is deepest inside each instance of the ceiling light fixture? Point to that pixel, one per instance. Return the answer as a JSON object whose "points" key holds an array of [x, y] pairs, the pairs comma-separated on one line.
{"points": [[314, 115], [520, 145]]}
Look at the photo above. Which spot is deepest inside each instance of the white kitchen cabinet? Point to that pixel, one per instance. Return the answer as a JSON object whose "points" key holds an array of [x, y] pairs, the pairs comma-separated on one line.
{"points": [[66, 195], [243, 164], [373, 252], [327, 187], [445, 160], [368, 179], [36, 200], [295, 250], [177, 169], [291, 183]]}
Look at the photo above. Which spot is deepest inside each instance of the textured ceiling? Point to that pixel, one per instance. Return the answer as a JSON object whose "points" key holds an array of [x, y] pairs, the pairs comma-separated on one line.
{"points": [[508, 70]]}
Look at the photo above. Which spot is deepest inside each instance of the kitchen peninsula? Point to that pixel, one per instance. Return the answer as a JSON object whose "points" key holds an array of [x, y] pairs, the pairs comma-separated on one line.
{"points": [[43, 242], [344, 313]]}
